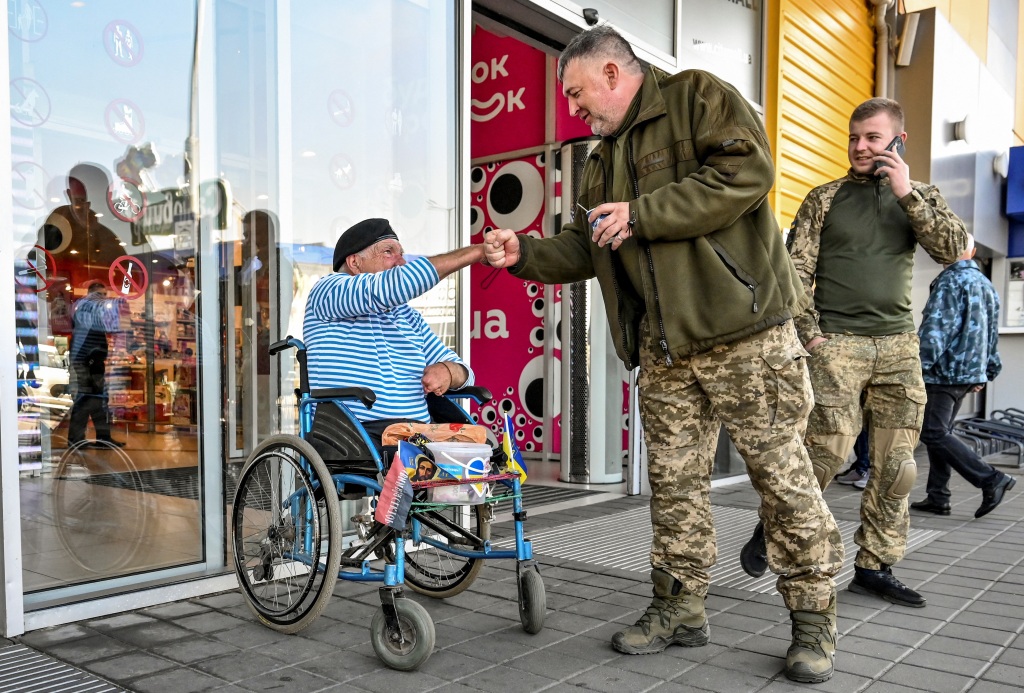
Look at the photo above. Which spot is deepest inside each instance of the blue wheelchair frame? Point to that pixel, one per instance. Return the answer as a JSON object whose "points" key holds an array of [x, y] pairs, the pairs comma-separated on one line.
{"points": [[402, 631]]}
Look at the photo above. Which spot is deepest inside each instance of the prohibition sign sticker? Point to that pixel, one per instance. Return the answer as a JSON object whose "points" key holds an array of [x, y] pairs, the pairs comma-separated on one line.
{"points": [[126, 201], [123, 43], [40, 270], [124, 121], [29, 183], [30, 104], [342, 171], [339, 107], [128, 277]]}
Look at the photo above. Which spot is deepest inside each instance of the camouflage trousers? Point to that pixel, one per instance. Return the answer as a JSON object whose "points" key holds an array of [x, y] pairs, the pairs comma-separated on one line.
{"points": [[758, 388], [886, 373]]}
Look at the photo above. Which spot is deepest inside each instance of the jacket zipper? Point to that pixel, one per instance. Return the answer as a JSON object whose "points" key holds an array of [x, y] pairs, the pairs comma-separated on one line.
{"points": [[618, 301], [732, 267], [663, 340]]}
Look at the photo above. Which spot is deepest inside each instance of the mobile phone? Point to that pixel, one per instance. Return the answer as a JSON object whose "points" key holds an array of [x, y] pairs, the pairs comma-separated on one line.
{"points": [[895, 146]]}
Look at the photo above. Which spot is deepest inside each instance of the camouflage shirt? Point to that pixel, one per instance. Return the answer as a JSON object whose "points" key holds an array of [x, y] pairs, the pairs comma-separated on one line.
{"points": [[960, 329], [852, 243]]}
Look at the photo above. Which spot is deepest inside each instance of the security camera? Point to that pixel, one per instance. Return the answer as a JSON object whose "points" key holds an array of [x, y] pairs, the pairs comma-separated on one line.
{"points": [[590, 16]]}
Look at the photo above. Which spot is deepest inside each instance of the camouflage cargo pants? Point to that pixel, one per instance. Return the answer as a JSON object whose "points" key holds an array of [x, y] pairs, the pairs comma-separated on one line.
{"points": [[887, 370], [759, 389]]}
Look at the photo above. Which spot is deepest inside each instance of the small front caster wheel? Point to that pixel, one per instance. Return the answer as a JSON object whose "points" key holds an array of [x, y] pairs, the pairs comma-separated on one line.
{"points": [[406, 647], [532, 601]]}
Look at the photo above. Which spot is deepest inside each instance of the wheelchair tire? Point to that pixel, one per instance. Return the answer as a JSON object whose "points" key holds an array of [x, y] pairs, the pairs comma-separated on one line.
{"points": [[417, 631], [437, 573], [533, 603], [287, 549]]}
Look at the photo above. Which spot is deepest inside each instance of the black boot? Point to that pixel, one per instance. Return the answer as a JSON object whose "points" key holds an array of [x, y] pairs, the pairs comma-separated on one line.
{"points": [[991, 497], [754, 555], [882, 583]]}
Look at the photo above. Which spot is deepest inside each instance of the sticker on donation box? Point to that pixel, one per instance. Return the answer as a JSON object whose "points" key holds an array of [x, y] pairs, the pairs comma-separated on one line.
{"points": [[128, 277]]}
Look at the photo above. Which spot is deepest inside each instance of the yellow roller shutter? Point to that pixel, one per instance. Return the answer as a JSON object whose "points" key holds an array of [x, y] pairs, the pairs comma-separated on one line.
{"points": [[820, 67]]}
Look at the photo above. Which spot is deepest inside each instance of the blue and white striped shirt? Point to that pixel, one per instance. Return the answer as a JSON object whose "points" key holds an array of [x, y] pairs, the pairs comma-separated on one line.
{"points": [[359, 332]]}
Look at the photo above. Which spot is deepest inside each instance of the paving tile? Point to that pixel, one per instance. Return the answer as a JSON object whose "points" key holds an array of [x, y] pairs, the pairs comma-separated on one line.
{"points": [[1005, 673], [503, 679], [151, 634], [194, 649], [122, 668], [890, 634], [711, 678], [238, 666], [956, 646], [89, 649], [179, 680], [993, 687], [48, 637], [993, 621], [975, 634], [612, 680], [552, 665], [285, 679], [343, 666], [210, 622], [943, 661], [452, 666], [928, 679], [740, 622], [390, 681]]}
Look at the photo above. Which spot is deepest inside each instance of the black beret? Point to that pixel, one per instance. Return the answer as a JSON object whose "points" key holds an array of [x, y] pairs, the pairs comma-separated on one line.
{"points": [[360, 237]]}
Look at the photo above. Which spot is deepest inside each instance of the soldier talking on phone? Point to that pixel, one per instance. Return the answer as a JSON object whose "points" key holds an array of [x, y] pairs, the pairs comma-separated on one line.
{"points": [[853, 243]]}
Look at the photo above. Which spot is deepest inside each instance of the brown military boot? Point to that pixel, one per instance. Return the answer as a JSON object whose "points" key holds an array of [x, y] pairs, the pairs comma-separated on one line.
{"points": [[675, 617], [812, 655]]}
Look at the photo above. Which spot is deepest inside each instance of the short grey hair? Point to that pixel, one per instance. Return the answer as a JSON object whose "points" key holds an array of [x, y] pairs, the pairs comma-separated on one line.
{"points": [[600, 41]]}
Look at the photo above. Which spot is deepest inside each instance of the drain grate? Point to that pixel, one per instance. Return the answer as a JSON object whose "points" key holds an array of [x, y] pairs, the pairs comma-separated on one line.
{"points": [[629, 532], [28, 671]]}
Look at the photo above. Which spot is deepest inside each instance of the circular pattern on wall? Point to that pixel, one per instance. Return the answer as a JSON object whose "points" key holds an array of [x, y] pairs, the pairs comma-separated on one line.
{"points": [[515, 196]]}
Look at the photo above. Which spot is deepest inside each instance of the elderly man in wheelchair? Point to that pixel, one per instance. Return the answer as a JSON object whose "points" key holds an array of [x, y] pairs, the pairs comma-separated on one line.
{"points": [[369, 361]]}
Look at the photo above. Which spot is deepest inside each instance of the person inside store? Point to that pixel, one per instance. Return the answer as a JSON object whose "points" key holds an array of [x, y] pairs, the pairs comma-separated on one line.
{"points": [[959, 336], [74, 234], [94, 317], [360, 331], [853, 242], [700, 294]]}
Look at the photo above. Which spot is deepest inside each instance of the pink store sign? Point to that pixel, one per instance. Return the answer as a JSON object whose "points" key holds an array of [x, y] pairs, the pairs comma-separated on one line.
{"points": [[507, 95], [507, 327]]}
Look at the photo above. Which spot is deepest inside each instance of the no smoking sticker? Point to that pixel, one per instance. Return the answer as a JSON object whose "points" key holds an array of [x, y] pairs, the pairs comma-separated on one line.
{"points": [[37, 270], [128, 277]]}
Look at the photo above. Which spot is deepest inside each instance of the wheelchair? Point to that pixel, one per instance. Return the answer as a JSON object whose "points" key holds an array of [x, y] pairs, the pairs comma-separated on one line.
{"points": [[286, 526]]}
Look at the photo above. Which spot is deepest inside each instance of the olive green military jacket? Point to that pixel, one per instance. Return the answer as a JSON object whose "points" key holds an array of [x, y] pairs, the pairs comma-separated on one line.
{"points": [[706, 245]]}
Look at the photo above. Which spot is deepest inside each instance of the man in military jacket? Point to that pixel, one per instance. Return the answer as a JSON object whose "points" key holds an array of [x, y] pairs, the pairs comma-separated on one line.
{"points": [[700, 293], [959, 334], [853, 243]]}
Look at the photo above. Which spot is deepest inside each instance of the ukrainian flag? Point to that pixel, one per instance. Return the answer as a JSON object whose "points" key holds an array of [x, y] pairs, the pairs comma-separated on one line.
{"points": [[511, 450]]}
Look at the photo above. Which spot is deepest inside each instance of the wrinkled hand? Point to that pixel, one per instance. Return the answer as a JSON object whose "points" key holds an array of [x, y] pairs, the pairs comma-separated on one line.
{"points": [[436, 379], [897, 170], [614, 228], [814, 343], [501, 248]]}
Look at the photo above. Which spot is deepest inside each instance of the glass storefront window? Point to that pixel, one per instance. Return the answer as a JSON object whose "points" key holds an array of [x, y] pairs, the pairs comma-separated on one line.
{"points": [[181, 174]]}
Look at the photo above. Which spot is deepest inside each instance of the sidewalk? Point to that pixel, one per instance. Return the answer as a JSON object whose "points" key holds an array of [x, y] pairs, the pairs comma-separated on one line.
{"points": [[969, 637]]}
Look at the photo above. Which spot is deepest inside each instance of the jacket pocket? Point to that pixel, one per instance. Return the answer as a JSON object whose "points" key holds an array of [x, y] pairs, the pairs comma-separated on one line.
{"points": [[738, 272]]}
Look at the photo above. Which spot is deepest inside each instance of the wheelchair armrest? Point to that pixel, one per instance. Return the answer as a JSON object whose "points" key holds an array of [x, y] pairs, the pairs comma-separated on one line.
{"points": [[364, 394], [286, 343], [473, 392]]}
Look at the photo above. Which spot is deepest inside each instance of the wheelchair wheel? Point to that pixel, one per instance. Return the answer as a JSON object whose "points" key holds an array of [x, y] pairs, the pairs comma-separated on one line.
{"points": [[412, 644], [435, 572], [286, 533], [532, 600]]}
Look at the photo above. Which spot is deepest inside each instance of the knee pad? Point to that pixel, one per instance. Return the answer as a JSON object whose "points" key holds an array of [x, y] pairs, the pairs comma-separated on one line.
{"points": [[903, 483]]}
